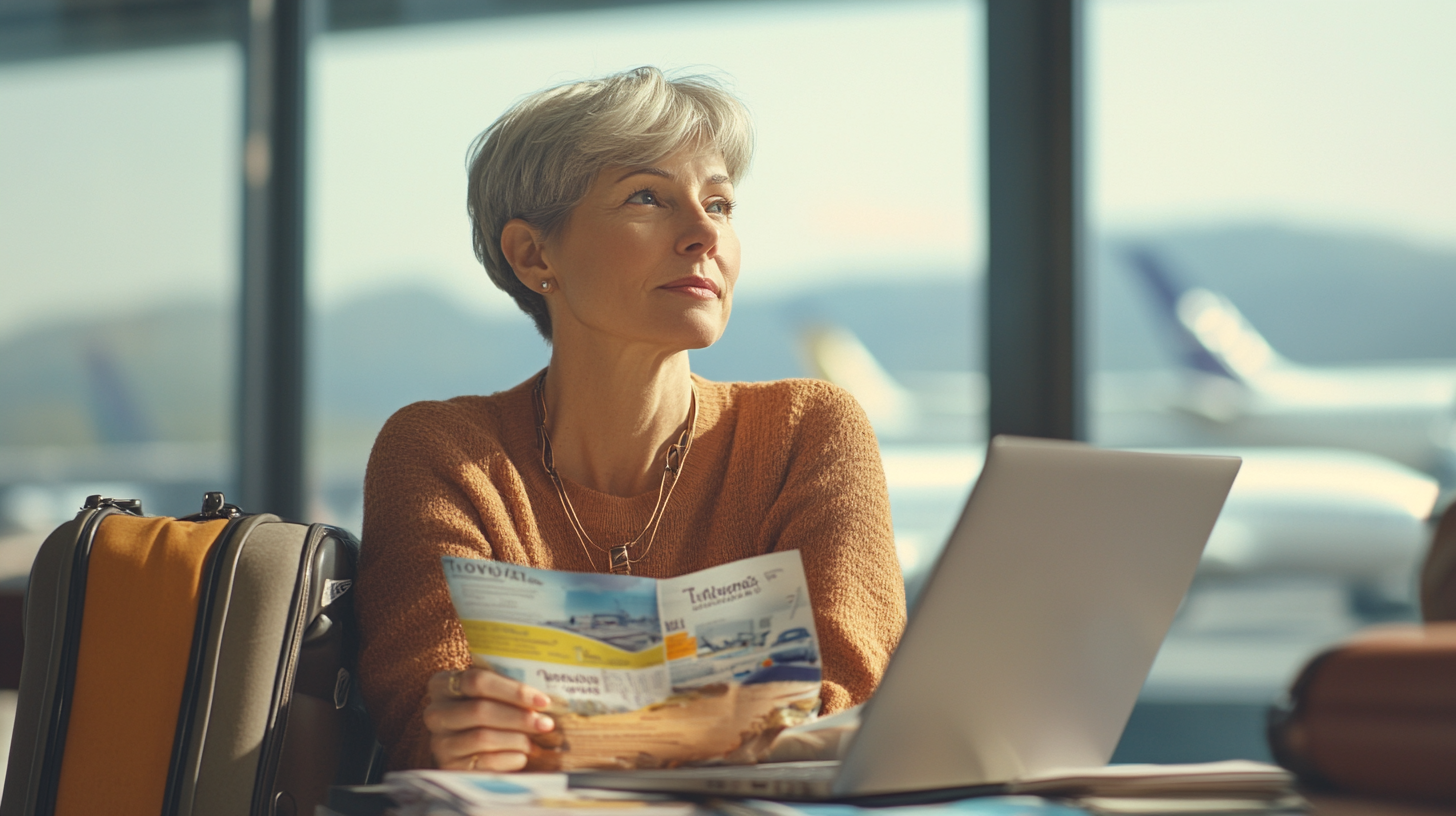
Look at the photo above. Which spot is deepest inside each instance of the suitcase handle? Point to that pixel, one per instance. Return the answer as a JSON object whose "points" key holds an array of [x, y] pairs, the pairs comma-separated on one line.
{"points": [[97, 502], [214, 507]]}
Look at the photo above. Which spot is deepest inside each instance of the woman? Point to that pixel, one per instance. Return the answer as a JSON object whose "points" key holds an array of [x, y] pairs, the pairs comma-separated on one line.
{"points": [[605, 209]]}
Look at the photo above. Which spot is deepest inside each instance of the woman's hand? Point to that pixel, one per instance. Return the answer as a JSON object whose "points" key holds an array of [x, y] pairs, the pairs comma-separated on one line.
{"points": [[479, 720]]}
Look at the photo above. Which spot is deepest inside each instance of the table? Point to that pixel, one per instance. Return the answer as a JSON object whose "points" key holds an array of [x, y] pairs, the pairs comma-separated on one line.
{"points": [[1325, 804]]}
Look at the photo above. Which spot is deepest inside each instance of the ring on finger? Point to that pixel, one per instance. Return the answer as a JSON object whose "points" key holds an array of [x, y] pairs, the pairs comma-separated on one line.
{"points": [[454, 685], [473, 759]]}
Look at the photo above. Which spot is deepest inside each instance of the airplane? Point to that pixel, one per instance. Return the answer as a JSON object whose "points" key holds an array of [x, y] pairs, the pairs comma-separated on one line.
{"points": [[1339, 463], [1228, 387], [1234, 388]]}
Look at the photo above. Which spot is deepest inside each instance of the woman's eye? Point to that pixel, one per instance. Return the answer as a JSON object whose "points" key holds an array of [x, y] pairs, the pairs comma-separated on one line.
{"points": [[720, 207], [643, 197]]}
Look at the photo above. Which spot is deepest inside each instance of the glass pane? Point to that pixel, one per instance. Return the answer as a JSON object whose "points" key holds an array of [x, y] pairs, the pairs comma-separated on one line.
{"points": [[861, 219], [119, 217], [118, 245], [1274, 205]]}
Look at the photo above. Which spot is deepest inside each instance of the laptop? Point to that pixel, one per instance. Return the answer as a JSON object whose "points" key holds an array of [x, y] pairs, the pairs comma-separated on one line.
{"points": [[1031, 639]]}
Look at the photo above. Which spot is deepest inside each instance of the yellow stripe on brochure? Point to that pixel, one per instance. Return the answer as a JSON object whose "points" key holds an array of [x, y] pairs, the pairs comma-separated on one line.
{"points": [[547, 645]]}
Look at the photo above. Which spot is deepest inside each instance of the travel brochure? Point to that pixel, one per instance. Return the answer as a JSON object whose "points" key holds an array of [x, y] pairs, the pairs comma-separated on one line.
{"points": [[707, 667]]}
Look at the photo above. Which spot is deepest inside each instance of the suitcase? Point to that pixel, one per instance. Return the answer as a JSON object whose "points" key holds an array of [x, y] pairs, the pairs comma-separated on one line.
{"points": [[188, 666]]}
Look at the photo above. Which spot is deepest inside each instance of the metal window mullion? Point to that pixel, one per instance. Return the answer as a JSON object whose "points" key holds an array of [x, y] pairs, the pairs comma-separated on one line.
{"points": [[1033, 284], [270, 401]]}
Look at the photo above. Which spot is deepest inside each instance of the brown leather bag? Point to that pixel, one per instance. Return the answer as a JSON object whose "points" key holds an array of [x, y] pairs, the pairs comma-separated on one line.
{"points": [[1375, 715]]}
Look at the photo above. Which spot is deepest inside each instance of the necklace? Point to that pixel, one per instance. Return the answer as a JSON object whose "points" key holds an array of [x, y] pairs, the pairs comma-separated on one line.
{"points": [[619, 557]]}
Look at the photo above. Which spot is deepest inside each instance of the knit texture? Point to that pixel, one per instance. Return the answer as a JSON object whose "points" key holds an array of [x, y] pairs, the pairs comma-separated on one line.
{"points": [[780, 465]]}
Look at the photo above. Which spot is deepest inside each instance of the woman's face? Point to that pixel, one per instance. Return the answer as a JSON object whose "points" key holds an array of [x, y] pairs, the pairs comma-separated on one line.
{"points": [[649, 256]]}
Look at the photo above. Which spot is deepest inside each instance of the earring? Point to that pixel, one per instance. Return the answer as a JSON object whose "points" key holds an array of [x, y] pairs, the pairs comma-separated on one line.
{"points": [[545, 285]]}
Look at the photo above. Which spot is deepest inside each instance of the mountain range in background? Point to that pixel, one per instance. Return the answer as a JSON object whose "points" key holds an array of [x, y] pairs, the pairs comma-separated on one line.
{"points": [[167, 374]]}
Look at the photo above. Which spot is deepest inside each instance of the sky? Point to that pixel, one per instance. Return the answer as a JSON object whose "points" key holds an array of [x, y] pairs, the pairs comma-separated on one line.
{"points": [[119, 177], [1326, 112], [116, 182]]}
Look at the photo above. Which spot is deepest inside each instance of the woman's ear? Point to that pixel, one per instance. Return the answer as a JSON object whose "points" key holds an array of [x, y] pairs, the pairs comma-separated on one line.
{"points": [[522, 247]]}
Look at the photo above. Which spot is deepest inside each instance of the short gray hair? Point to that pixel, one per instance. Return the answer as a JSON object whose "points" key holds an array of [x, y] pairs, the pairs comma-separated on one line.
{"points": [[537, 160]]}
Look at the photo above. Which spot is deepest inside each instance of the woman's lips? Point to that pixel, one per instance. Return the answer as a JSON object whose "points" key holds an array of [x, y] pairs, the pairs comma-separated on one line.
{"points": [[694, 286]]}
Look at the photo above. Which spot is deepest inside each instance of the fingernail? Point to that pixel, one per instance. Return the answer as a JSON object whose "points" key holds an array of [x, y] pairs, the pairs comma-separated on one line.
{"points": [[544, 723], [540, 700]]}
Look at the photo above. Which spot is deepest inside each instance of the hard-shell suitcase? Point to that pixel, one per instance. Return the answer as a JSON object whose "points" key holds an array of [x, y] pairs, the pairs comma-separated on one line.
{"points": [[187, 666]]}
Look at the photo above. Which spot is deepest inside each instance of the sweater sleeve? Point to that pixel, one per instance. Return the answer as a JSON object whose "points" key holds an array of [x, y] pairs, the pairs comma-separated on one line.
{"points": [[416, 509], [835, 509]]}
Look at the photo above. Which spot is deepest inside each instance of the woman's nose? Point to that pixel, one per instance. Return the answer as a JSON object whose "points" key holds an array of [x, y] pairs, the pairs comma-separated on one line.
{"points": [[700, 235]]}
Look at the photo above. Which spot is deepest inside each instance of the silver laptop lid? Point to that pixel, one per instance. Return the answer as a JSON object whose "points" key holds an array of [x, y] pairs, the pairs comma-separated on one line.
{"points": [[1036, 630]]}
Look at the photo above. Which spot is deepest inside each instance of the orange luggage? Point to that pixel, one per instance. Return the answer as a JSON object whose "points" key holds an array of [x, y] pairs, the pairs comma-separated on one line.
{"points": [[187, 666]]}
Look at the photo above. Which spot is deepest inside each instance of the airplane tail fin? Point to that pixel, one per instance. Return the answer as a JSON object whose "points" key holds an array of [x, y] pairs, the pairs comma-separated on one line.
{"points": [[1213, 336], [117, 417], [837, 355]]}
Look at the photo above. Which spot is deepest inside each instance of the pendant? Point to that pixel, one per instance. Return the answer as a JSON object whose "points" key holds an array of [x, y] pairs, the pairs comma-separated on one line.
{"points": [[621, 563]]}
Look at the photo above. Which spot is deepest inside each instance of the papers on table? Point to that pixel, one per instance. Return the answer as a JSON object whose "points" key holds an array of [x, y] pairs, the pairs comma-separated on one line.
{"points": [[1202, 789], [1233, 787], [437, 793], [1230, 779]]}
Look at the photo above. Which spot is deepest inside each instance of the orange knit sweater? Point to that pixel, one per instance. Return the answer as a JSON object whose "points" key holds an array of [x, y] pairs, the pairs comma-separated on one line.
{"points": [[780, 465]]}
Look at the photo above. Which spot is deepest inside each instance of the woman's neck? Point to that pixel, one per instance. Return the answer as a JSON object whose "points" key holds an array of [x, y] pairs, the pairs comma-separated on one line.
{"points": [[611, 417]]}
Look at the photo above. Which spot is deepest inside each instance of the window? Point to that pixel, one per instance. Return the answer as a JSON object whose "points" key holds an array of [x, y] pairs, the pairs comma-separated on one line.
{"points": [[1274, 210], [119, 190]]}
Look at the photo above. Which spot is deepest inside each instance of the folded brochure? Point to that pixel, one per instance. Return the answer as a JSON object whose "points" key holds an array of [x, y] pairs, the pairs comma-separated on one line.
{"points": [[649, 673]]}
